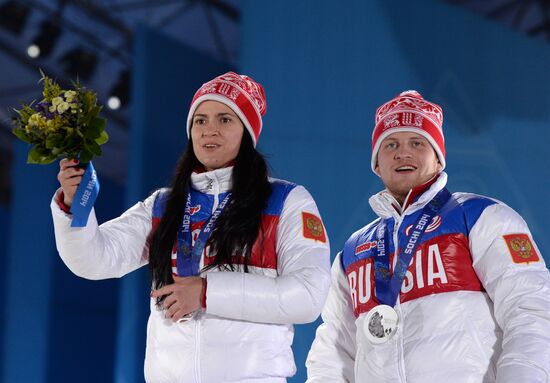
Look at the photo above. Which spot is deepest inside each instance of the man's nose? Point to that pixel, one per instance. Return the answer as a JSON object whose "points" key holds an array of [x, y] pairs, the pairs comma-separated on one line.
{"points": [[402, 152]]}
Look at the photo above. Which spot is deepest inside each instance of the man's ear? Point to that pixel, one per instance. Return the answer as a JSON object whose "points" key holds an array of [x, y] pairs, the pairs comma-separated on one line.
{"points": [[377, 170], [439, 166]]}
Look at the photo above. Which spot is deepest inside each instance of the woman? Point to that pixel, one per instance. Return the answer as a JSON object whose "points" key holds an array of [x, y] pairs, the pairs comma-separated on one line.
{"points": [[235, 258]]}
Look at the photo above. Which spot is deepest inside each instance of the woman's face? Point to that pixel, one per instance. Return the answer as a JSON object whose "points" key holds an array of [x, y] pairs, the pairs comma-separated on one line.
{"points": [[217, 133]]}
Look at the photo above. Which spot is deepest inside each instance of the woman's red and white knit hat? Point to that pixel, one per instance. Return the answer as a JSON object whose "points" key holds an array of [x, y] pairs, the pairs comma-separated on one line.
{"points": [[409, 112], [241, 93]]}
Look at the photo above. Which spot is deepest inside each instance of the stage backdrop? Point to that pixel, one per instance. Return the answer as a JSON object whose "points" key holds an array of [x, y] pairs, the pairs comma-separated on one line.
{"points": [[328, 65], [4, 219], [56, 327]]}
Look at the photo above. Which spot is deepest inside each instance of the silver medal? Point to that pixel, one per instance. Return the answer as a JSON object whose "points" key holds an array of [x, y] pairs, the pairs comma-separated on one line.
{"points": [[380, 324]]}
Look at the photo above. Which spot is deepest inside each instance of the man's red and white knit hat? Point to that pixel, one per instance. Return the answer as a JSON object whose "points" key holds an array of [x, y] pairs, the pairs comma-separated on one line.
{"points": [[241, 93], [409, 112]]}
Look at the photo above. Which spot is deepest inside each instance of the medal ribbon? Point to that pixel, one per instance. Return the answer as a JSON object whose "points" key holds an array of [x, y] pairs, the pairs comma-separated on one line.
{"points": [[388, 288], [189, 255], [85, 197]]}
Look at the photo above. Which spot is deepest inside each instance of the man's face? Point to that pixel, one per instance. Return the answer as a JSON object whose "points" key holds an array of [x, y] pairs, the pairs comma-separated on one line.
{"points": [[406, 160]]}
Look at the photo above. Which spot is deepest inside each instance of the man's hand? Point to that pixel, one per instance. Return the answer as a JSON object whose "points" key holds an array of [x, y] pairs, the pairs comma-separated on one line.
{"points": [[183, 296]]}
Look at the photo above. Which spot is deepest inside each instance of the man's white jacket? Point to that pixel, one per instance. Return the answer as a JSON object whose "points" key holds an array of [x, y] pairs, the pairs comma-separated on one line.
{"points": [[474, 305]]}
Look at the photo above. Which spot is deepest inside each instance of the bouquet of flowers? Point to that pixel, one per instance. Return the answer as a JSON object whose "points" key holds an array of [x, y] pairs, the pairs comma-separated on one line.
{"points": [[65, 123]]}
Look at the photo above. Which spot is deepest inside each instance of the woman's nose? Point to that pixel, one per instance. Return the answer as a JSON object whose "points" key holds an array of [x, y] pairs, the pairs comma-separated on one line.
{"points": [[210, 129]]}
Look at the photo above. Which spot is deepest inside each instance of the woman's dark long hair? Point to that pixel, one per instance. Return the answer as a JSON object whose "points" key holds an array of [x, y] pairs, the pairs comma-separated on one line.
{"points": [[236, 228]]}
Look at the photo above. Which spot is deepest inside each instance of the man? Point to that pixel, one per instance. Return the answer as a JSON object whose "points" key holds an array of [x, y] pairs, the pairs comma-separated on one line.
{"points": [[441, 287]]}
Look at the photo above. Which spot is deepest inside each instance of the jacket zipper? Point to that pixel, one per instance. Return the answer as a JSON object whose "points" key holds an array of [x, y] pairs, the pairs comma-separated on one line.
{"points": [[213, 184], [197, 350], [400, 360]]}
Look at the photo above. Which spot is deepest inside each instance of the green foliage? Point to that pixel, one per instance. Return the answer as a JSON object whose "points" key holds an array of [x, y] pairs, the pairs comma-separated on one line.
{"points": [[65, 123], [103, 138], [22, 135], [51, 88]]}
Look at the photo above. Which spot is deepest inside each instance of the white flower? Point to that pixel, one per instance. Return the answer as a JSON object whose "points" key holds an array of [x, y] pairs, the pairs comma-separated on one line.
{"points": [[35, 119], [62, 107], [56, 101], [70, 95]]}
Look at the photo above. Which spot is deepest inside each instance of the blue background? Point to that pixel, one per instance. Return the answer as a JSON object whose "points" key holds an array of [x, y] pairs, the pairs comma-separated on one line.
{"points": [[326, 66]]}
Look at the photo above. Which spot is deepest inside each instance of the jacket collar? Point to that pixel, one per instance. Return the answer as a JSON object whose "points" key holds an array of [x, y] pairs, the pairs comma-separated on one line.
{"points": [[213, 182], [386, 206]]}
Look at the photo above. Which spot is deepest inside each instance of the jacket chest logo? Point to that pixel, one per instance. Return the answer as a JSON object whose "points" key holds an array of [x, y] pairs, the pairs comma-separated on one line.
{"points": [[365, 247], [194, 209], [436, 222]]}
